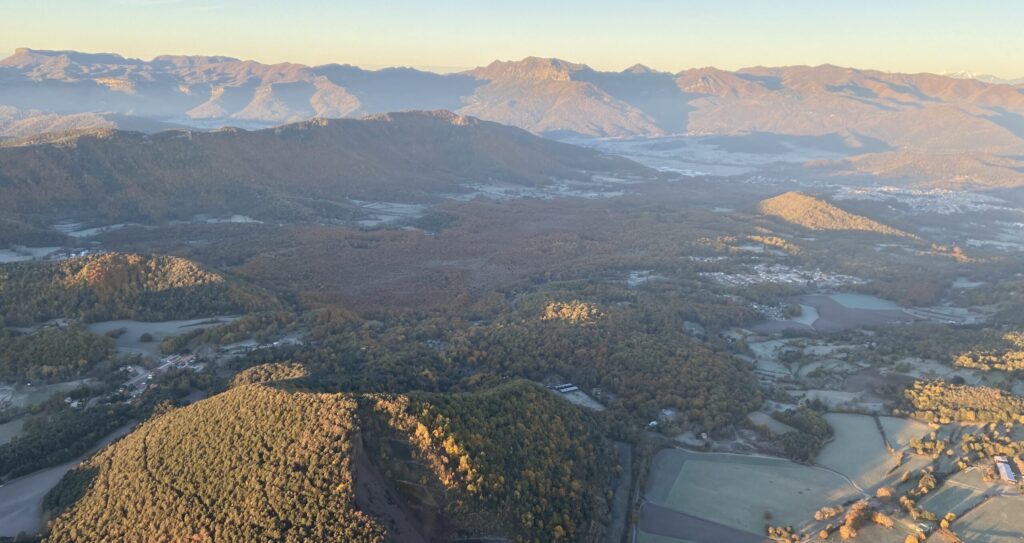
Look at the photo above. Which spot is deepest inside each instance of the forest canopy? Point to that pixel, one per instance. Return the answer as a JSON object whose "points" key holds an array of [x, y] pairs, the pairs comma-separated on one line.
{"points": [[250, 464], [51, 353], [111, 286]]}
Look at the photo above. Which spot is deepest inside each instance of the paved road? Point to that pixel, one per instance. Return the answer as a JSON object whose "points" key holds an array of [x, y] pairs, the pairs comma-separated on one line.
{"points": [[21, 499], [658, 520]]}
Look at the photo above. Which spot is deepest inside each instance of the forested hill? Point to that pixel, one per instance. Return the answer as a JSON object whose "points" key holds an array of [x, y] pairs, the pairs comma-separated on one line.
{"points": [[258, 463], [516, 459], [293, 171], [112, 286], [815, 214], [251, 464]]}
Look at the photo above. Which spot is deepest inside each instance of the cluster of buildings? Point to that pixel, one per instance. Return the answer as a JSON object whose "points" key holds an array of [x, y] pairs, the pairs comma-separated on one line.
{"points": [[938, 201], [782, 275], [177, 361], [564, 388]]}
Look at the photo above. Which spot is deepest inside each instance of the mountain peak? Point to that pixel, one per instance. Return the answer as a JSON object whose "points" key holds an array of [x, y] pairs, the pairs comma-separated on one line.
{"points": [[639, 69], [192, 60], [25, 56], [530, 68], [442, 115]]}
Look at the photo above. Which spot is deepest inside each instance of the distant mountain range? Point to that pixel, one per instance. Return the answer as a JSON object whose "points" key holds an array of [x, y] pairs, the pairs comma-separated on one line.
{"points": [[986, 78], [971, 128], [538, 94]]}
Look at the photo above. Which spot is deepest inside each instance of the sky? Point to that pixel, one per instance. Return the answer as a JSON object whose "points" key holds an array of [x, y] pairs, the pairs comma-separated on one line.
{"points": [[985, 37]]}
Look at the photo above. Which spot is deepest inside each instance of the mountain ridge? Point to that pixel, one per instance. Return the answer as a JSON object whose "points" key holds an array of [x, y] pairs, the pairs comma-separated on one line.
{"points": [[920, 119], [221, 89], [297, 171]]}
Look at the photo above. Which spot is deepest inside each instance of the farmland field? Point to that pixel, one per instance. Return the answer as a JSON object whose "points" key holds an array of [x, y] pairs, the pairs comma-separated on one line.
{"points": [[959, 492], [644, 537], [129, 342], [857, 450], [900, 431], [1000, 520], [742, 491]]}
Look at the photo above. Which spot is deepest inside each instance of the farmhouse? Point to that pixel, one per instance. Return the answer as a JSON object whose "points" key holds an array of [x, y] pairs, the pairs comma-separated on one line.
{"points": [[1005, 471]]}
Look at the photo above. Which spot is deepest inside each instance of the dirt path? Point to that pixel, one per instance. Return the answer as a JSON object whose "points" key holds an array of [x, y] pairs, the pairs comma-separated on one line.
{"points": [[620, 502]]}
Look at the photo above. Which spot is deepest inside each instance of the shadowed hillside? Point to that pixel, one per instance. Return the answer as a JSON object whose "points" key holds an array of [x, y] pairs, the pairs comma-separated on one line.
{"points": [[302, 170], [516, 459]]}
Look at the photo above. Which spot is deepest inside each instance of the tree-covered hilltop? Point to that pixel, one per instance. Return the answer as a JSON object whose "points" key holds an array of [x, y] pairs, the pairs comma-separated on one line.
{"points": [[646, 365], [251, 464], [260, 463], [515, 459], [814, 214], [50, 353], [14, 232], [269, 373], [943, 403], [119, 286]]}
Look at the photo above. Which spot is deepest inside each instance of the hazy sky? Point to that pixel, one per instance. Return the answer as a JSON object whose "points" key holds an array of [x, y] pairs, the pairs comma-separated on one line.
{"points": [[985, 36]]}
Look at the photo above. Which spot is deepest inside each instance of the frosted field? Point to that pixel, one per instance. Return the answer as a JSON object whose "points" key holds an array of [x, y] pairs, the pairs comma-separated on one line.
{"points": [[581, 399], [21, 254], [858, 451], [28, 396], [862, 301], [738, 491], [831, 365], [767, 354], [644, 537], [900, 431], [958, 493], [1000, 520], [129, 343]]}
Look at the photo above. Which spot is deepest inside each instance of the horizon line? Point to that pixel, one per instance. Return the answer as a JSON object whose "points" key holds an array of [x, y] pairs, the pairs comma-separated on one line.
{"points": [[442, 69]]}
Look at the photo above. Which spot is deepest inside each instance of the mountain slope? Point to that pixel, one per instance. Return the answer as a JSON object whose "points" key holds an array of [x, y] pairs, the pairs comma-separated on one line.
{"points": [[294, 171], [546, 96], [503, 460], [814, 214], [259, 463], [251, 464]]}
